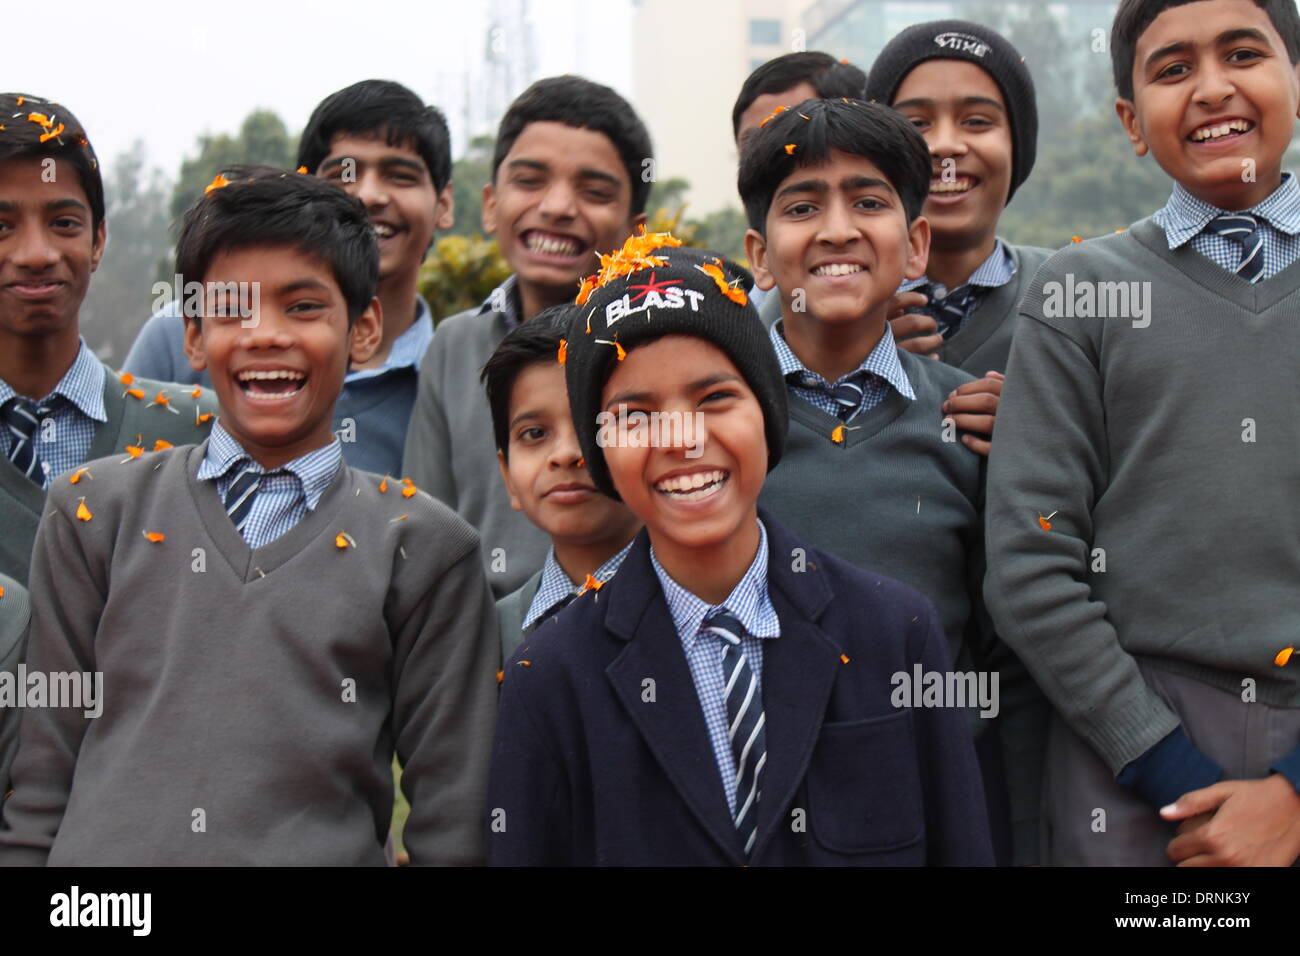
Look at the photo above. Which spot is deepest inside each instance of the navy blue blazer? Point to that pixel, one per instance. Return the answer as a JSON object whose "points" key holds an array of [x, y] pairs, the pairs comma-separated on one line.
{"points": [[602, 756]]}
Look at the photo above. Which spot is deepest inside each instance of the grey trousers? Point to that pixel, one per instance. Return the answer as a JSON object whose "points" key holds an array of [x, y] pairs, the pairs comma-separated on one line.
{"points": [[1090, 820]]}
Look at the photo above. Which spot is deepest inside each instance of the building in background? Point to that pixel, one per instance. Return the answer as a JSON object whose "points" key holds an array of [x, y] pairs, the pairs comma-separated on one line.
{"points": [[689, 60]]}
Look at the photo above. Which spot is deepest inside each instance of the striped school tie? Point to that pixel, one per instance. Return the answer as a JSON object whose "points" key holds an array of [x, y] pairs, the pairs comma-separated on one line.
{"points": [[950, 311], [746, 723], [847, 395], [239, 498], [1243, 229], [23, 418]]}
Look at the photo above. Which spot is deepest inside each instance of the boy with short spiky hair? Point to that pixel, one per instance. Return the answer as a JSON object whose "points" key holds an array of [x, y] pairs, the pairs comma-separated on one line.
{"points": [[691, 709], [59, 405], [316, 619], [1143, 534], [381, 143], [833, 190], [569, 177]]}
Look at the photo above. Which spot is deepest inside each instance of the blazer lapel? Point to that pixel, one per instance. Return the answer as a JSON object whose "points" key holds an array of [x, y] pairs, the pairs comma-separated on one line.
{"points": [[799, 669], [672, 724]]}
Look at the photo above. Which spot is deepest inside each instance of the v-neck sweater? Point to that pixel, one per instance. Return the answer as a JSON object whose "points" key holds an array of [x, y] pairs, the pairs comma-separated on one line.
{"points": [[268, 688], [1162, 452]]}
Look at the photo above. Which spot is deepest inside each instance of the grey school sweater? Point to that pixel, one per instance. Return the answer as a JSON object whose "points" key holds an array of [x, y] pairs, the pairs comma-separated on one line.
{"points": [[129, 419], [267, 689], [1168, 455], [452, 454], [897, 499]]}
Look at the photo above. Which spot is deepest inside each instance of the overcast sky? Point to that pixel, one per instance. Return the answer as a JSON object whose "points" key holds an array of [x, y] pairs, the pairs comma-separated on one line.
{"points": [[165, 73]]}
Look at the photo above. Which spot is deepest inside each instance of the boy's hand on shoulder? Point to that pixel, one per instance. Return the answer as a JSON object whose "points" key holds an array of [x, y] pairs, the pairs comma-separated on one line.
{"points": [[904, 324], [1237, 823], [973, 407]]}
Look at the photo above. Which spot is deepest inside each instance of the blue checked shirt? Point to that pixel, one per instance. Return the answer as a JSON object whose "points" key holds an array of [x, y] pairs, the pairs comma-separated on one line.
{"points": [[282, 500], [1185, 217], [506, 295], [750, 603], [882, 367], [555, 585], [407, 350], [997, 270], [78, 406]]}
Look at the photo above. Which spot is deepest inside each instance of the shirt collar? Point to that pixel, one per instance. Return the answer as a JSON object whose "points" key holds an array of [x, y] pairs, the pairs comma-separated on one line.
{"points": [[555, 585], [314, 470], [997, 270], [82, 385], [407, 350], [748, 601], [1185, 216], [882, 361], [507, 294]]}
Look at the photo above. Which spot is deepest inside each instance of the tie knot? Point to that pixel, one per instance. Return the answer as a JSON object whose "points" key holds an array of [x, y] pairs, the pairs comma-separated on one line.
{"points": [[1234, 224], [725, 625]]}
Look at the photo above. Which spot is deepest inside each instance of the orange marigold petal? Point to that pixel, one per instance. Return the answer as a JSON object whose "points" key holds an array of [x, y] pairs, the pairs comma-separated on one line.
{"points": [[302, 169], [1283, 656], [126, 378], [198, 392], [154, 536], [344, 540], [52, 133], [501, 675], [162, 443], [844, 658], [82, 511], [218, 182], [203, 418], [136, 393], [76, 475], [563, 354], [790, 148], [837, 435], [135, 451], [409, 491], [1076, 238]]}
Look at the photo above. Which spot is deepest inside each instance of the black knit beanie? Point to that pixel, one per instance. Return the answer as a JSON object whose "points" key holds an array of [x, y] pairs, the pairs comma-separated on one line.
{"points": [[963, 40], [650, 289]]}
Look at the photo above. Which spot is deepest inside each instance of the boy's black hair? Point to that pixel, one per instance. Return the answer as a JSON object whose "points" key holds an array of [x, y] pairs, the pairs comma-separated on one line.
{"points": [[537, 340], [374, 108], [870, 130], [582, 104], [1134, 16], [266, 206], [831, 78], [33, 127]]}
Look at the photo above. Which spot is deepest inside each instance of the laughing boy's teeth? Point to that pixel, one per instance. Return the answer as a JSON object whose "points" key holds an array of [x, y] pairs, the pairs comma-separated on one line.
{"points": [[278, 373], [692, 487], [269, 385], [552, 245], [837, 269], [383, 230], [956, 186], [1221, 130]]}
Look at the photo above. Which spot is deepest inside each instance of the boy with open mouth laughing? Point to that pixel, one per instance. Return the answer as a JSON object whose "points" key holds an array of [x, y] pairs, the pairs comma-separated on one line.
{"points": [[272, 624]]}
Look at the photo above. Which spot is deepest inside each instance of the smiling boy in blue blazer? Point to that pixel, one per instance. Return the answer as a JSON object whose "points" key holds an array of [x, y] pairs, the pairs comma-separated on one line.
{"points": [[726, 698]]}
